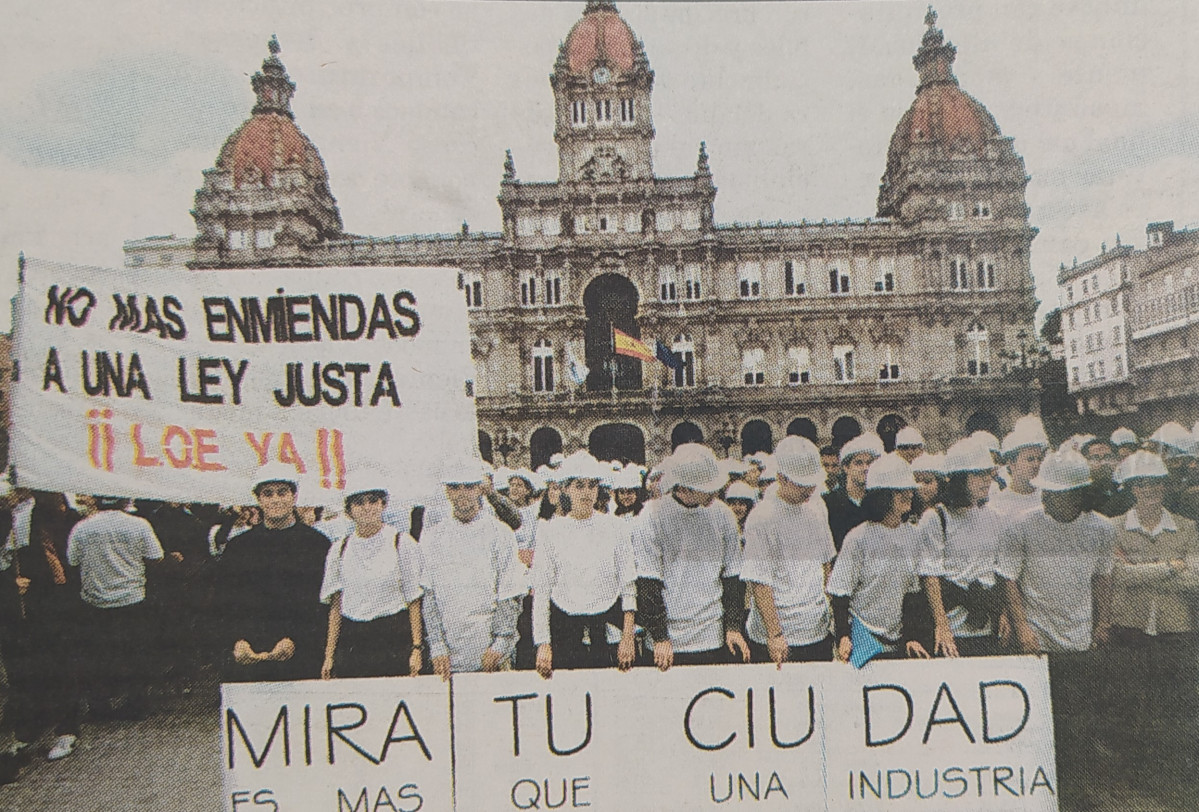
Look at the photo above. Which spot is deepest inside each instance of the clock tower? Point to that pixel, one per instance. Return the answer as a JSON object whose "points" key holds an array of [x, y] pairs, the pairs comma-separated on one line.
{"points": [[602, 85]]}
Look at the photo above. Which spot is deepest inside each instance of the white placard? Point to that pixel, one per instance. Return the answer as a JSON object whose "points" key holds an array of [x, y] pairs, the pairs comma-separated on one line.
{"points": [[342, 745], [968, 733], [179, 385]]}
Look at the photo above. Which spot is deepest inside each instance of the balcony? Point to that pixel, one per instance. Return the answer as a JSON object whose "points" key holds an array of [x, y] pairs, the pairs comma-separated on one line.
{"points": [[1169, 312]]}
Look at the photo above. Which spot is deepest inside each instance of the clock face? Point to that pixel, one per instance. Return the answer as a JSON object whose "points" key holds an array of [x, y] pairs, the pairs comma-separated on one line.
{"points": [[601, 75]]}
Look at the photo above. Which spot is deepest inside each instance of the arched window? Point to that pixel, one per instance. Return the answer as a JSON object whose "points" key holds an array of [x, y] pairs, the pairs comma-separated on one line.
{"points": [[543, 366], [684, 350], [978, 351]]}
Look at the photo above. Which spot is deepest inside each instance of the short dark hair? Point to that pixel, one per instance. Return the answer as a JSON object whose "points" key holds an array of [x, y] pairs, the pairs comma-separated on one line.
{"points": [[830, 451], [877, 503], [291, 486], [1089, 444], [956, 494], [356, 498]]}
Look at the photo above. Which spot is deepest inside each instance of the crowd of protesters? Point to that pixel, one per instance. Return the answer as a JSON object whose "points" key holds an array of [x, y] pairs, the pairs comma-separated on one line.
{"points": [[1086, 553]]}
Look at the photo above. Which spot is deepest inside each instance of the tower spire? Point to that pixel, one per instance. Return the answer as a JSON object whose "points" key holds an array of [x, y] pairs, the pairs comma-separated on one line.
{"points": [[272, 85], [934, 59]]}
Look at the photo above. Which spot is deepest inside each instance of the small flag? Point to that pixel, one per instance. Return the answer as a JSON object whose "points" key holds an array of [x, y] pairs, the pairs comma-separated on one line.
{"points": [[575, 369], [667, 357], [625, 344]]}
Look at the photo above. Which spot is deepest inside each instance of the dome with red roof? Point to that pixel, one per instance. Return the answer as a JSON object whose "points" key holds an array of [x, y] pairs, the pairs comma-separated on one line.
{"points": [[264, 144], [601, 37]]}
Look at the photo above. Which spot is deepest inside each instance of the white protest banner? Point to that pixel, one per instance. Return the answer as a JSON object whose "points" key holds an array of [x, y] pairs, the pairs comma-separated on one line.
{"points": [[180, 385], [346, 745], [703, 737], [691, 738], [968, 733]]}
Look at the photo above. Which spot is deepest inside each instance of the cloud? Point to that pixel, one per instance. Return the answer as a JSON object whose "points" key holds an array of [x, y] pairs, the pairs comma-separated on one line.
{"points": [[127, 113]]}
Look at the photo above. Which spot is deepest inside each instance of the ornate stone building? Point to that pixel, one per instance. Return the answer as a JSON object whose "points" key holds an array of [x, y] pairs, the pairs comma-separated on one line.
{"points": [[819, 328]]}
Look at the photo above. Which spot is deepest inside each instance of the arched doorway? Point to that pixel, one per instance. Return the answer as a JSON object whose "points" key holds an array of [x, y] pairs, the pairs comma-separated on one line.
{"points": [[983, 421], [756, 436], [617, 441], [610, 301], [685, 432], [803, 427], [887, 428], [544, 443], [845, 429], [485, 446]]}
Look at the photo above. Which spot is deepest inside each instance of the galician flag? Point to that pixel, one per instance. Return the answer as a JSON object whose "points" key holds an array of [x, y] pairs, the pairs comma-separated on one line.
{"points": [[575, 369], [625, 344]]}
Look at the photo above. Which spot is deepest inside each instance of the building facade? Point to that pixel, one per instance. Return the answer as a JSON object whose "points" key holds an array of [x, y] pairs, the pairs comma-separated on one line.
{"points": [[1093, 299], [818, 328]]}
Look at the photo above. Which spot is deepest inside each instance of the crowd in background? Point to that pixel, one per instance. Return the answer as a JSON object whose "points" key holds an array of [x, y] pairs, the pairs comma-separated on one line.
{"points": [[1086, 553]]}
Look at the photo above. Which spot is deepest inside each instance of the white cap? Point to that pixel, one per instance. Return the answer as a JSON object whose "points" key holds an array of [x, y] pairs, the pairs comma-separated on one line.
{"points": [[1176, 441], [694, 466], [364, 481], [987, 439], [758, 458], [890, 471], [628, 478], [929, 464], [741, 490], [868, 442], [1141, 464], [1025, 435], [770, 467], [276, 472], [582, 465], [909, 436], [732, 466], [1123, 436], [798, 459], [502, 475], [462, 471], [968, 455], [556, 459], [1063, 470], [547, 474]]}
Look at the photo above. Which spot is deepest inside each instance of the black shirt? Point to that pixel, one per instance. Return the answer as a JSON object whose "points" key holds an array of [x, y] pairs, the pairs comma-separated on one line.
{"points": [[269, 588], [843, 515]]}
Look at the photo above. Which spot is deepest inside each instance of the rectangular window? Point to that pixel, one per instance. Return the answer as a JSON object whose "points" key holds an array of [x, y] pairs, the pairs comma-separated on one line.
{"points": [[794, 282], [667, 288], [1074, 375], [551, 224], [959, 274], [1102, 373], [750, 282], [985, 274], [632, 222], [685, 375], [1097, 311], [982, 209], [691, 281], [472, 285], [1119, 366], [957, 211], [1098, 341], [1118, 335], [1071, 319], [603, 110], [1090, 342], [1091, 371], [1073, 348], [264, 238], [553, 290], [237, 240], [1070, 294], [889, 369], [528, 291], [1086, 315], [752, 362], [800, 366], [603, 222], [578, 113], [1095, 282], [885, 281], [526, 226], [838, 282], [1085, 288], [843, 363], [627, 111]]}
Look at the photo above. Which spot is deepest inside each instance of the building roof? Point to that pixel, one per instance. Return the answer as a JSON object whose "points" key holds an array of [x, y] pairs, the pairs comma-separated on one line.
{"points": [[601, 37]]}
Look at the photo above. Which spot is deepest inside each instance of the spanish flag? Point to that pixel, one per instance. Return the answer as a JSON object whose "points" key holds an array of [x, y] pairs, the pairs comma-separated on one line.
{"points": [[625, 344]]}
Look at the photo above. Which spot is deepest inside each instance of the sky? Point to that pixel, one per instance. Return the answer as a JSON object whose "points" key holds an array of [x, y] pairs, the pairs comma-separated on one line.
{"points": [[112, 111]]}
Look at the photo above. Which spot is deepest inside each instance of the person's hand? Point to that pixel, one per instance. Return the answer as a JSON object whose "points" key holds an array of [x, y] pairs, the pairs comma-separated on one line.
{"points": [[327, 668], [916, 650], [844, 649], [1027, 640], [177, 557], [1179, 566], [1005, 629], [441, 667], [525, 556], [22, 584], [545, 661], [735, 643], [663, 654], [244, 655], [415, 661], [944, 644], [626, 652], [284, 650], [776, 644], [492, 660]]}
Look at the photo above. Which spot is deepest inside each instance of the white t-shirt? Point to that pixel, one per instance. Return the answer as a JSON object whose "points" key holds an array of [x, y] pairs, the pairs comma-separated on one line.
{"points": [[467, 569], [377, 576], [875, 569], [1011, 504], [786, 548], [1054, 564], [111, 548], [582, 567], [689, 550], [964, 552]]}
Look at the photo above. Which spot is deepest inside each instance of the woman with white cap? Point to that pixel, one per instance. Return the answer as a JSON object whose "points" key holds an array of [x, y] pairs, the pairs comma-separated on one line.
{"points": [[929, 472], [909, 443], [788, 556], [1153, 628], [875, 571], [1023, 449], [959, 542], [372, 586], [690, 597], [627, 492], [741, 499], [584, 578], [845, 504]]}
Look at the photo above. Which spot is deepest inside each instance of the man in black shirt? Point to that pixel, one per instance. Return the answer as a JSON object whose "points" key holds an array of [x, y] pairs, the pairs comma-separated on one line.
{"points": [[269, 590], [845, 504]]}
